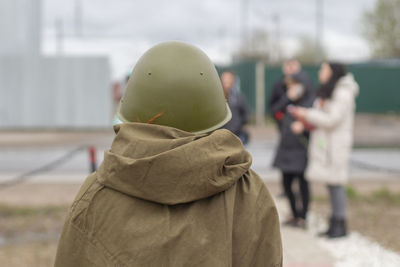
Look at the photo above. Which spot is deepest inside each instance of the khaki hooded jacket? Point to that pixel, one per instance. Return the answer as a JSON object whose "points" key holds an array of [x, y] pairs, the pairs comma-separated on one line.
{"points": [[165, 197]]}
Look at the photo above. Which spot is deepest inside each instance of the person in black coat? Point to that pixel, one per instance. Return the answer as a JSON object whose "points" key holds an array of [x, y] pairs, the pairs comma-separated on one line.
{"points": [[291, 155], [237, 105]]}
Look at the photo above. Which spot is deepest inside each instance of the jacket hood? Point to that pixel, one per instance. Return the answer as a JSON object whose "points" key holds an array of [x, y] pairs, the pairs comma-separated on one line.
{"points": [[349, 83], [170, 166]]}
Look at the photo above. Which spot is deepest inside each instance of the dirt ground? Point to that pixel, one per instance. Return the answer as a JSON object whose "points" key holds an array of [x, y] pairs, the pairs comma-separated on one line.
{"points": [[31, 219], [29, 234], [374, 214], [39, 195], [32, 215], [373, 209], [40, 253]]}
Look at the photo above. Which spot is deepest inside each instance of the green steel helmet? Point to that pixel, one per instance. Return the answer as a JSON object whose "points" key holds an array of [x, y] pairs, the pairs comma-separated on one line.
{"points": [[175, 84]]}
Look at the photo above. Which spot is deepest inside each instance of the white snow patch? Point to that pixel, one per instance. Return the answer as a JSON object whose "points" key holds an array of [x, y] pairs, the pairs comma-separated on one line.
{"points": [[354, 250]]}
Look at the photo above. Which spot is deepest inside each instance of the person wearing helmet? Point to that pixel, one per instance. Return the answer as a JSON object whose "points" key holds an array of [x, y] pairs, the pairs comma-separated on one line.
{"points": [[172, 190]]}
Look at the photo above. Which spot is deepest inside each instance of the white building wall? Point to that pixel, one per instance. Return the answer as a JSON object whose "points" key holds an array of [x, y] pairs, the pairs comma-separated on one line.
{"points": [[69, 92], [51, 92], [76, 92], [20, 29]]}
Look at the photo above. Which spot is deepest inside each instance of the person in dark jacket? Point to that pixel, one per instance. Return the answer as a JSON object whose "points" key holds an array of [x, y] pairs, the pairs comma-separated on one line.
{"points": [[291, 155], [290, 67], [238, 106], [277, 101]]}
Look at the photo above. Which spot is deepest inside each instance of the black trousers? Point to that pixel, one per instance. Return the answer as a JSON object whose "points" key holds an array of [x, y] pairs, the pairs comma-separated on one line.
{"points": [[298, 201]]}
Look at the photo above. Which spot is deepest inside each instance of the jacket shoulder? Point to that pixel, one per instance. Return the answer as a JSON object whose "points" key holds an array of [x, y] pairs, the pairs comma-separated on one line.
{"points": [[77, 246], [89, 189], [347, 85], [256, 225], [257, 189]]}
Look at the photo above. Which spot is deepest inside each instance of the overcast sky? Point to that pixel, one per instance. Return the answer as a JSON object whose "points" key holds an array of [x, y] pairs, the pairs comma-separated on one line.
{"points": [[124, 29]]}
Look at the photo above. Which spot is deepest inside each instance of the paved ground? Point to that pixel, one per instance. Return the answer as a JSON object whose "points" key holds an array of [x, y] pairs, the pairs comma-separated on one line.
{"points": [[19, 160], [377, 143], [301, 249]]}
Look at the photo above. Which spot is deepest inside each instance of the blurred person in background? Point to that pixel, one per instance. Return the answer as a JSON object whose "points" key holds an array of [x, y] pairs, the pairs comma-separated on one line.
{"points": [[237, 104], [172, 190], [291, 155], [278, 102], [331, 141]]}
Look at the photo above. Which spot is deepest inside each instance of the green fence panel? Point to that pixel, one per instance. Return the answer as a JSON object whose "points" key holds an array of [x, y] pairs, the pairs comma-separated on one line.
{"points": [[379, 88], [271, 74], [379, 84]]}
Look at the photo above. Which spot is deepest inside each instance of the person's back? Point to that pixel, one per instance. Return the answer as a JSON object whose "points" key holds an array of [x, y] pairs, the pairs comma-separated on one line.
{"points": [[171, 197], [165, 197]]}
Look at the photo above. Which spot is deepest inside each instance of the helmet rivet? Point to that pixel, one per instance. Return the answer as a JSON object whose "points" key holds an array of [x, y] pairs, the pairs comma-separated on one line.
{"points": [[201, 73], [149, 73]]}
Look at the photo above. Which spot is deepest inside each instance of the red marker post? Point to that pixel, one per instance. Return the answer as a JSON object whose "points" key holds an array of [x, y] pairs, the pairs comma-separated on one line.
{"points": [[92, 157]]}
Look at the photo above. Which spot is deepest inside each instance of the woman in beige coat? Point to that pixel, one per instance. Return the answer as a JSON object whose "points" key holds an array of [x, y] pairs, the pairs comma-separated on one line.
{"points": [[331, 140]]}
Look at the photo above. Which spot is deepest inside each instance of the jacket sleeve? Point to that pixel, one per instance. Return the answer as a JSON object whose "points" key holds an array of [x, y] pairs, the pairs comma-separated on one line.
{"points": [[244, 110], [278, 100], [272, 97], [268, 251], [256, 226], [340, 103], [280, 105], [75, 249]]}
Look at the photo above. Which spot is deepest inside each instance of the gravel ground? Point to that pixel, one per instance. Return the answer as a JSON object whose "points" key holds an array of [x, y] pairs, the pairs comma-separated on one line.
{"points": [[358, 251]]}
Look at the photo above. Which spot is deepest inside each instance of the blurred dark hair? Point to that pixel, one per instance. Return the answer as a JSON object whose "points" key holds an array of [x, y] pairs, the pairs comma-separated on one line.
{"points": [[338, 71]]}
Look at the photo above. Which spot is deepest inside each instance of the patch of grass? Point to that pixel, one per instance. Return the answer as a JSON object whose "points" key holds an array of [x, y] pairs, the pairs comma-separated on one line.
{"points": [[21, 221], [351, 192], [9, 210], [383, 195], [386, 195], [320, 198]]}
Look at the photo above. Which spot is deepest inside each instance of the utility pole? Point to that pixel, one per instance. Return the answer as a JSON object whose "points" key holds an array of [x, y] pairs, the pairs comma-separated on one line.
{"points": [[277, 21], [244, 18], [319, 28], [260, 94], [78, 18], [59, 26]]}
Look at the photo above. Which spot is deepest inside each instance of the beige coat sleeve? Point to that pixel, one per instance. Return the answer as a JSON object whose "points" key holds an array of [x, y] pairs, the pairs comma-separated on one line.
{"points": [[329, 118]]}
